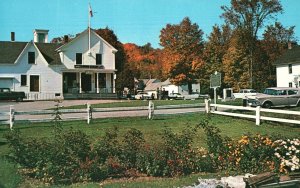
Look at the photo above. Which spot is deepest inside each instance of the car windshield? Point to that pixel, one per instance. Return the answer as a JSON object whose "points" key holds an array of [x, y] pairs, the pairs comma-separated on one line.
{"points": [[274, 92]]}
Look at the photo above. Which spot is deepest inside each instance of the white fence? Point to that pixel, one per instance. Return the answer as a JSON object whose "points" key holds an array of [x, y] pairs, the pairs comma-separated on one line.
{"points": [[85, 114], [221, 110]]}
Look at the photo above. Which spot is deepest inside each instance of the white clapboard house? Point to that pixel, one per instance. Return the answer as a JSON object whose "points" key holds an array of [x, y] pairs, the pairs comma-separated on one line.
{"points": [[288, 68], [83, 67]]}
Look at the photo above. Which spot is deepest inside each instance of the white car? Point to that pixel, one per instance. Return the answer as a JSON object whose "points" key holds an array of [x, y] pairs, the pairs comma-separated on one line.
{"points": [[192, 96], [244, 93], [276, 97], [142, 96], [175, 96]]}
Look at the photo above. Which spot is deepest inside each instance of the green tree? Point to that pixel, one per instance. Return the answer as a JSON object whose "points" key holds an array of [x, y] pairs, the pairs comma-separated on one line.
{"points": [[182, 44], [214, 51], [247, 17]]}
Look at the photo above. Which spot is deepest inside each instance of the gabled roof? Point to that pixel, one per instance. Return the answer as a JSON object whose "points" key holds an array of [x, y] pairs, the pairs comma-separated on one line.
{"points": [[49, 53], [10, 51], [289, 57], [152, 85], [81, 34], [167, 82]]}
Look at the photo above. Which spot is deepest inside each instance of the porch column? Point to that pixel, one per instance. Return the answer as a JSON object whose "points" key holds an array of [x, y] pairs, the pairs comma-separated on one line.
{"points": [[97, 84], [114, 82], [80, 89]]}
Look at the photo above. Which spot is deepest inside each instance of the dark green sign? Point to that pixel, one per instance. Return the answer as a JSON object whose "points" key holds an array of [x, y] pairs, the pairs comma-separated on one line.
{"points": [[215, 80]]}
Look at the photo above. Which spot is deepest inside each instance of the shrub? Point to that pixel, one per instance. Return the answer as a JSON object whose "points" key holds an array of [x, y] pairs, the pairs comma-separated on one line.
{"points": [[174, 156], [132, 144], [56, 161], [108, 146], [218, 147], [252, 154]]}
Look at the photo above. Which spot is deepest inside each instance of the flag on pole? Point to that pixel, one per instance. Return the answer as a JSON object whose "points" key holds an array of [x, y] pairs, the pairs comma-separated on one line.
{"points": [[90, 10]]}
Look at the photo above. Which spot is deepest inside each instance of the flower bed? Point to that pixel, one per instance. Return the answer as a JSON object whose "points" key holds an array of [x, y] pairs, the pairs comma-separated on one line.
{"points": [[71, 156]]}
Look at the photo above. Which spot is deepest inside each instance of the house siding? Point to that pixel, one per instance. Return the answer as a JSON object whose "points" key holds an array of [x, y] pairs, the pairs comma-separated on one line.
{"points": [[80, 45], [283, 76], [51, 71], [47, 74]]}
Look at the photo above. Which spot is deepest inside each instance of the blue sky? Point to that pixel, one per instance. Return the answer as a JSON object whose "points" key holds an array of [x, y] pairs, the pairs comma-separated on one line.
{"points": [[135, 21]]}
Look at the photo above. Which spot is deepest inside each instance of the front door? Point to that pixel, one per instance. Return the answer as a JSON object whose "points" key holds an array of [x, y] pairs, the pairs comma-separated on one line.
{"points": [[69, 82], [86, 82]]}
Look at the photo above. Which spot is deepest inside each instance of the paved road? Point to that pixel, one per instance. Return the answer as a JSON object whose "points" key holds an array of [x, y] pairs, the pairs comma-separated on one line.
{"points": [[42, 105]]}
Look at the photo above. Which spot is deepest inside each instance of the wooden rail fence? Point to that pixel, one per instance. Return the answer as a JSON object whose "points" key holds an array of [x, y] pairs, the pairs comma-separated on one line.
{"points": [[223, 110], [88, 111]]}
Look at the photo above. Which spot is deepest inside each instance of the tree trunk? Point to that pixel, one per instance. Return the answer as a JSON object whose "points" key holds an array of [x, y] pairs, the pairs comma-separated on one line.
{"points": [[190, 87]]}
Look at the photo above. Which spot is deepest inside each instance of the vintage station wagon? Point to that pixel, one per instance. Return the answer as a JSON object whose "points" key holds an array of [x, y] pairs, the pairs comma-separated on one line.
{"points": [[276, 97]]}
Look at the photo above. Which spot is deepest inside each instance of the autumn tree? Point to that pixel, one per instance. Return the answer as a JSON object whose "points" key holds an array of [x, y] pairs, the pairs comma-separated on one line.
{"points": [[214, 51], [143, 60], [247, 17], [182, 44], [235, 64], [274, 44]]}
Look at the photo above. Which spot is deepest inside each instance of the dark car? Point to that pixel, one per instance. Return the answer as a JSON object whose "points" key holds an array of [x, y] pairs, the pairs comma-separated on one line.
{"points": [[276, 97], [7, 94]]}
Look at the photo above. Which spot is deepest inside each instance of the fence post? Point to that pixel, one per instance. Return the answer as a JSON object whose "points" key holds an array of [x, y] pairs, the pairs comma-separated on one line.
{"points": [[11, 116], [150, 110], [257, 115], [207, 105], [89, 113]]}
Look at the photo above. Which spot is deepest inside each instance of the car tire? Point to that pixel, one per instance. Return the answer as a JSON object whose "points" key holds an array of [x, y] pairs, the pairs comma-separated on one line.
{"points": [[19, 99], [267, 105]]}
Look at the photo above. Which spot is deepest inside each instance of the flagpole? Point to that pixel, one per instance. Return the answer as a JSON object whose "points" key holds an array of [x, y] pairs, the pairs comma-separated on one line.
{"points": [[89, 27]]}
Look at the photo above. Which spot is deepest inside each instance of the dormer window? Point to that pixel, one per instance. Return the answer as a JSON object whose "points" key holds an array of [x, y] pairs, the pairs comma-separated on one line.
{"points": [[78, 58], [31, 58]]}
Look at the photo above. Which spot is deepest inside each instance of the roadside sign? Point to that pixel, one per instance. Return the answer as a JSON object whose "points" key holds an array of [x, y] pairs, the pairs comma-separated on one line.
{"points": [[215, 80]]}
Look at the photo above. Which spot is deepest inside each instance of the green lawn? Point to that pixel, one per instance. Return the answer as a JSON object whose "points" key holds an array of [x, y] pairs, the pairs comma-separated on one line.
{"points": [[231, 127]]}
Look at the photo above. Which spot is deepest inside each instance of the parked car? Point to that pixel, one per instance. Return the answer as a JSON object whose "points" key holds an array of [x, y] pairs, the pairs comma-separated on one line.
{"points": [[192, 96], [175, 96], [276, 97], [244, 93], [142, 96], [7, 94]]}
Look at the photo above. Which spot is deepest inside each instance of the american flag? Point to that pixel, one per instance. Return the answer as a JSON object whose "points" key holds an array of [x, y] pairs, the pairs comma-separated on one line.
{"points": [[90, 10]]}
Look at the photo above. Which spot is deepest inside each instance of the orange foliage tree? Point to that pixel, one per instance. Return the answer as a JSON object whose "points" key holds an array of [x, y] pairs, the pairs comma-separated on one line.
{"points": [[182, 45], [143, 60]]}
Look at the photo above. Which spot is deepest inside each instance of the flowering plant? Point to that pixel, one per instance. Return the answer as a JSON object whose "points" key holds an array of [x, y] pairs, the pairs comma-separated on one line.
{"points": [[288, 153], [252, 153]]}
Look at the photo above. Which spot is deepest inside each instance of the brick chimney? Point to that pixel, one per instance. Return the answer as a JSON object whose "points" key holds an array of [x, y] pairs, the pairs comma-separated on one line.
{"points": [[12, 36], [66, 39], [290, 45]]}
